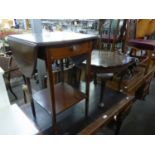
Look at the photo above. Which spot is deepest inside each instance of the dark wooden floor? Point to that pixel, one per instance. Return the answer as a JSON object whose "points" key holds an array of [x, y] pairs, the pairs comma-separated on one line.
{"points": [[140, 119], [73, 120]]}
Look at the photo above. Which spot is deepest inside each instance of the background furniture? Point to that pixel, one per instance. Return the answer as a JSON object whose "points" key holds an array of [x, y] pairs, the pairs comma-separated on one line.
{"points": [[4, 100], [149, 46], [114, 35], [11, 69], [12, 119], [140, 29], [106, 64]]}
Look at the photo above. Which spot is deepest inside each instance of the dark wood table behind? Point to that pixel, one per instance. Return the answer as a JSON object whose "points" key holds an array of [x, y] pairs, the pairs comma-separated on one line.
{"points": [[105, 62]]}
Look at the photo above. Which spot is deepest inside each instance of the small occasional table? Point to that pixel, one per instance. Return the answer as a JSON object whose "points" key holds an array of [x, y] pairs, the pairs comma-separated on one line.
{"points": [[50, 47], [109, 62]]}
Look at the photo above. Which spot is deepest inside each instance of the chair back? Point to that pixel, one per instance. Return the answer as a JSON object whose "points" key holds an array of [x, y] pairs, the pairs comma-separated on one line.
{"points": [[5, 62], [113, 31]]}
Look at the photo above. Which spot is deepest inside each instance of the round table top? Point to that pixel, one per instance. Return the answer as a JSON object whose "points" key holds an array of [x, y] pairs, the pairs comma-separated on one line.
{"points": [[109, 59]]}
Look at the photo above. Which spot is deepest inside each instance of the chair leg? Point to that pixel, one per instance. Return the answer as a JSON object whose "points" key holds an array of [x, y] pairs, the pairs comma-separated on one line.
{"points": [[10, 88], [95, 79], [45, 81], [36, 78], [123, 47], [101, 104], [24, 79], [77, 76], [119, 121], [25, 100], [24, 88], [120, 80], [31, 100]]}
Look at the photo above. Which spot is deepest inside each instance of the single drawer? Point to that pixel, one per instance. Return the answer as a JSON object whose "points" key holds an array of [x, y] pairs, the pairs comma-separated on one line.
{"points": [[70, 51]]}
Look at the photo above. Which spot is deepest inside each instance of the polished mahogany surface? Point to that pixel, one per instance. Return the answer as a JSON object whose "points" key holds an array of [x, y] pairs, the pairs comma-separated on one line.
{"points": [[142, 44], [53, 38], [27, 47], [109, 59], [65, 97]]}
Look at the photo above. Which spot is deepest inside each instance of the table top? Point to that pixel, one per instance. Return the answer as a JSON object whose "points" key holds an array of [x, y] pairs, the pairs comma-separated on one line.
{"points": [[109, 59], [53, 38], [142, 44]]}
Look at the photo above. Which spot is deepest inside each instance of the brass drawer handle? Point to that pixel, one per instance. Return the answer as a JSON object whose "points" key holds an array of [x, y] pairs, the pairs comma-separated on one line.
{"points": [[73, 48]]}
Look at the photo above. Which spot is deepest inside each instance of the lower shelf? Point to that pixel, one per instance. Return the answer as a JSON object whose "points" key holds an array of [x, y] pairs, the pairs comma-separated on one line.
{"points": [[65, 97]]}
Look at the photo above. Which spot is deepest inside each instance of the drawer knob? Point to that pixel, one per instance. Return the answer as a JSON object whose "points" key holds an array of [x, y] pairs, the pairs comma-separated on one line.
{"points": [[73, 48]]}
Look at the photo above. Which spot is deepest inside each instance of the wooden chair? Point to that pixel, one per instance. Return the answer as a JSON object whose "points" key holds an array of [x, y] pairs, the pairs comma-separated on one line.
{"points": [[113, 38], [12, 71], [141, 29], [133, 34], [138, 83]]}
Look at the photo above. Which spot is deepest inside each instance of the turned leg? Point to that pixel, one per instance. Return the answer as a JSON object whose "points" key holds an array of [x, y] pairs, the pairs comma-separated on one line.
{"points": [[101, 104], [31, 100], [10, 88]]}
